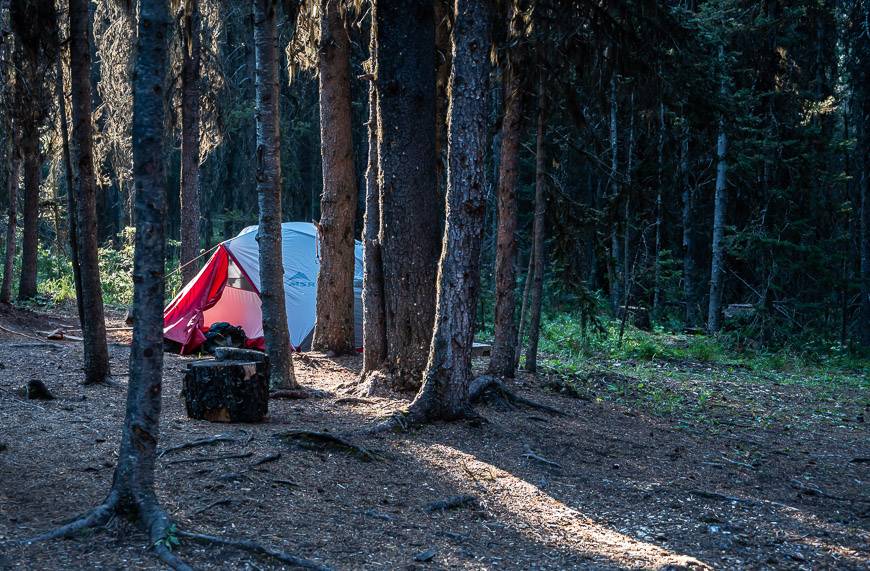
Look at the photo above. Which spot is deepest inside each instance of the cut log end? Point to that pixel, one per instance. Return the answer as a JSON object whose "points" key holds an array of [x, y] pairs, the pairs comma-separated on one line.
{"points": [[226, 391]]}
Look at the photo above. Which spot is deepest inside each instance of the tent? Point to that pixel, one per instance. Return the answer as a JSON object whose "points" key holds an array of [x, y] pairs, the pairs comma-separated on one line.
{"points": [[228, 289]]}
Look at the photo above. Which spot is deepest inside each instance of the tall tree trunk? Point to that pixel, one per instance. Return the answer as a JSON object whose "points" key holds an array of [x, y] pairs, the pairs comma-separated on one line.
{"points": [[503, 357], [717, 266], [12, 215], [30, 222], [374, 319], [616, 247], [444, 394], [333, 331], [409, 227], [537, 291], [96, 351], [862, 87], [275, 329], [657, 279], [530, 273], [190, 80], [71, 202], [689, 292]]}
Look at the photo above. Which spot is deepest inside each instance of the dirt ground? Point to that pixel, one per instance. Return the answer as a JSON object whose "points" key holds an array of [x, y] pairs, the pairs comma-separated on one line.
{"points": [[605, 487]]}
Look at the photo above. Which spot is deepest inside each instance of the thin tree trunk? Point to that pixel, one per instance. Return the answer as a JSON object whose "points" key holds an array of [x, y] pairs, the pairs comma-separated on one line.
{"points": [[190, 177], [862, 85], [409, 227], [444, 394], [333, 331], [657, 279], [12, 215], [96, 351], [627, 278], [689, 292], [530, 270], [615, 194], [275, 329], [717, 266], [537, 292], [71, 203], [374, 319], [30, 222], [503, 358]]}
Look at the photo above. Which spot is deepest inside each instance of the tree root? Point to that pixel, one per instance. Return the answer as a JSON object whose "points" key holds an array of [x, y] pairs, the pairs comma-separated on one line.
{"points": [[199, 442], [254, 547], [163, 534], [489, 386], [311, 440]]}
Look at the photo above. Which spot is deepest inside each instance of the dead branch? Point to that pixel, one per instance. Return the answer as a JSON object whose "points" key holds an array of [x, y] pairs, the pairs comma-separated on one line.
{"points": [[212, 458], [265, 459], [311, 440], [254, 547], [198, 442], [214, 504], [529, 453]]}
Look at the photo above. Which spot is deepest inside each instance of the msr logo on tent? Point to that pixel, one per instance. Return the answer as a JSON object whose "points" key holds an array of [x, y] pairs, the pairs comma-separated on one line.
{"points": [[300, 280]]}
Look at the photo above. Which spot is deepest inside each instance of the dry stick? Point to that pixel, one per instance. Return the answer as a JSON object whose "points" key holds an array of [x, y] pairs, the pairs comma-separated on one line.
{"points": [[216, 503], [199, 442], [519, 348], [529, 453], [12, 331], [255, 547], [212, 458]]}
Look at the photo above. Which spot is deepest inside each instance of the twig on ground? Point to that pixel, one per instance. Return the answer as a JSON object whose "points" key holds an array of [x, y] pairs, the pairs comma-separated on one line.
{"points": [[216, 503], [265, 459], [198, 442], [529, 453], [212, 458]]}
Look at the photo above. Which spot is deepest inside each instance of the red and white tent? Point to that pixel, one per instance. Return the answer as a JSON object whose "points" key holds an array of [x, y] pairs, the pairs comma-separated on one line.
{"points": [[228, 289]]}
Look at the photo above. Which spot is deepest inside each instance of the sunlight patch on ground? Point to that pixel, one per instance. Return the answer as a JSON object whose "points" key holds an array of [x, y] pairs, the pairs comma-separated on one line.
{"points": [[537, 515]]}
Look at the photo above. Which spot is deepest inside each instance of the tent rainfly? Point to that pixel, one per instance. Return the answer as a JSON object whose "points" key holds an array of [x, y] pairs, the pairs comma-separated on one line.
{"points": [[228, 289]]}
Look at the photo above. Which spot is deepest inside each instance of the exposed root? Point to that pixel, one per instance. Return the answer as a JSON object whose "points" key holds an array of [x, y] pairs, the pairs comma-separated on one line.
{"points": [[375, 383], [97, 517], [298, 394], [199, 442], [255, 547], [487, 385], [311, 440]]}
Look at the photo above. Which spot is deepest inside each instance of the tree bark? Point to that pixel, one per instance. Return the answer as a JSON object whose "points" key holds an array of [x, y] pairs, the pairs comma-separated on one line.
{"points": [[30, 218], [657, 278], [530, 273], [443, 23], [504, 346], [537, 291], [96, 352], [444, 394], [717, 265], [409, 228], [689, 293], [71, 203], [190, 177], [333, 331], [616, 247], [275, 330], [12, 215], [374, 319]]}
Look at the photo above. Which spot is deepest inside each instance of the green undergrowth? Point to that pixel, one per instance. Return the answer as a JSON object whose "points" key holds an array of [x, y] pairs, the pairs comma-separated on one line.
{"points": [[699, 378]]}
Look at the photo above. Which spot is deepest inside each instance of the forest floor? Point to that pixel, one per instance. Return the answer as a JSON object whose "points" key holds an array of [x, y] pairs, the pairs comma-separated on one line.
{"points": [[656, 465]]}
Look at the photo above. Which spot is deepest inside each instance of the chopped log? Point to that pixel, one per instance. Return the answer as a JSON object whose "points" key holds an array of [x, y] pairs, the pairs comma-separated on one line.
{"points": [[226, 391]]}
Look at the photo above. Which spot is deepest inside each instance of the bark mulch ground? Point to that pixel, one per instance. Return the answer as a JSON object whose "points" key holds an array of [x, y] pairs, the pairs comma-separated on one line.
{"points": [[608, 486]]}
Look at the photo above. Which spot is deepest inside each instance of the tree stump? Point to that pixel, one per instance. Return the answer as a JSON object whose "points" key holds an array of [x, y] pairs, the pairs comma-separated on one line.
{"points": [[226, 391], [247, 355]]}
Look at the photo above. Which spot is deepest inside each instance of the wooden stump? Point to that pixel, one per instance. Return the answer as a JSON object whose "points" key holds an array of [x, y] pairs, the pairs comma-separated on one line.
{"points": [[226, 391], [247, 355]]}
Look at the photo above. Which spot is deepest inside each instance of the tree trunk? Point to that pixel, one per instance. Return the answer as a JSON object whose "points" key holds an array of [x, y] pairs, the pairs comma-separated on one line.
{"points": [[657, 279], [443, 22], [275, 329], [71, 203], [530, 272], [689, 292], [334, 328], [537, 291], [503, 357], [374, 325], [444, 394], [96, 351], [190, 79], [862, 85], [717, 266], [405, 77], [30, 221], [12, 212], [616, 247]]}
